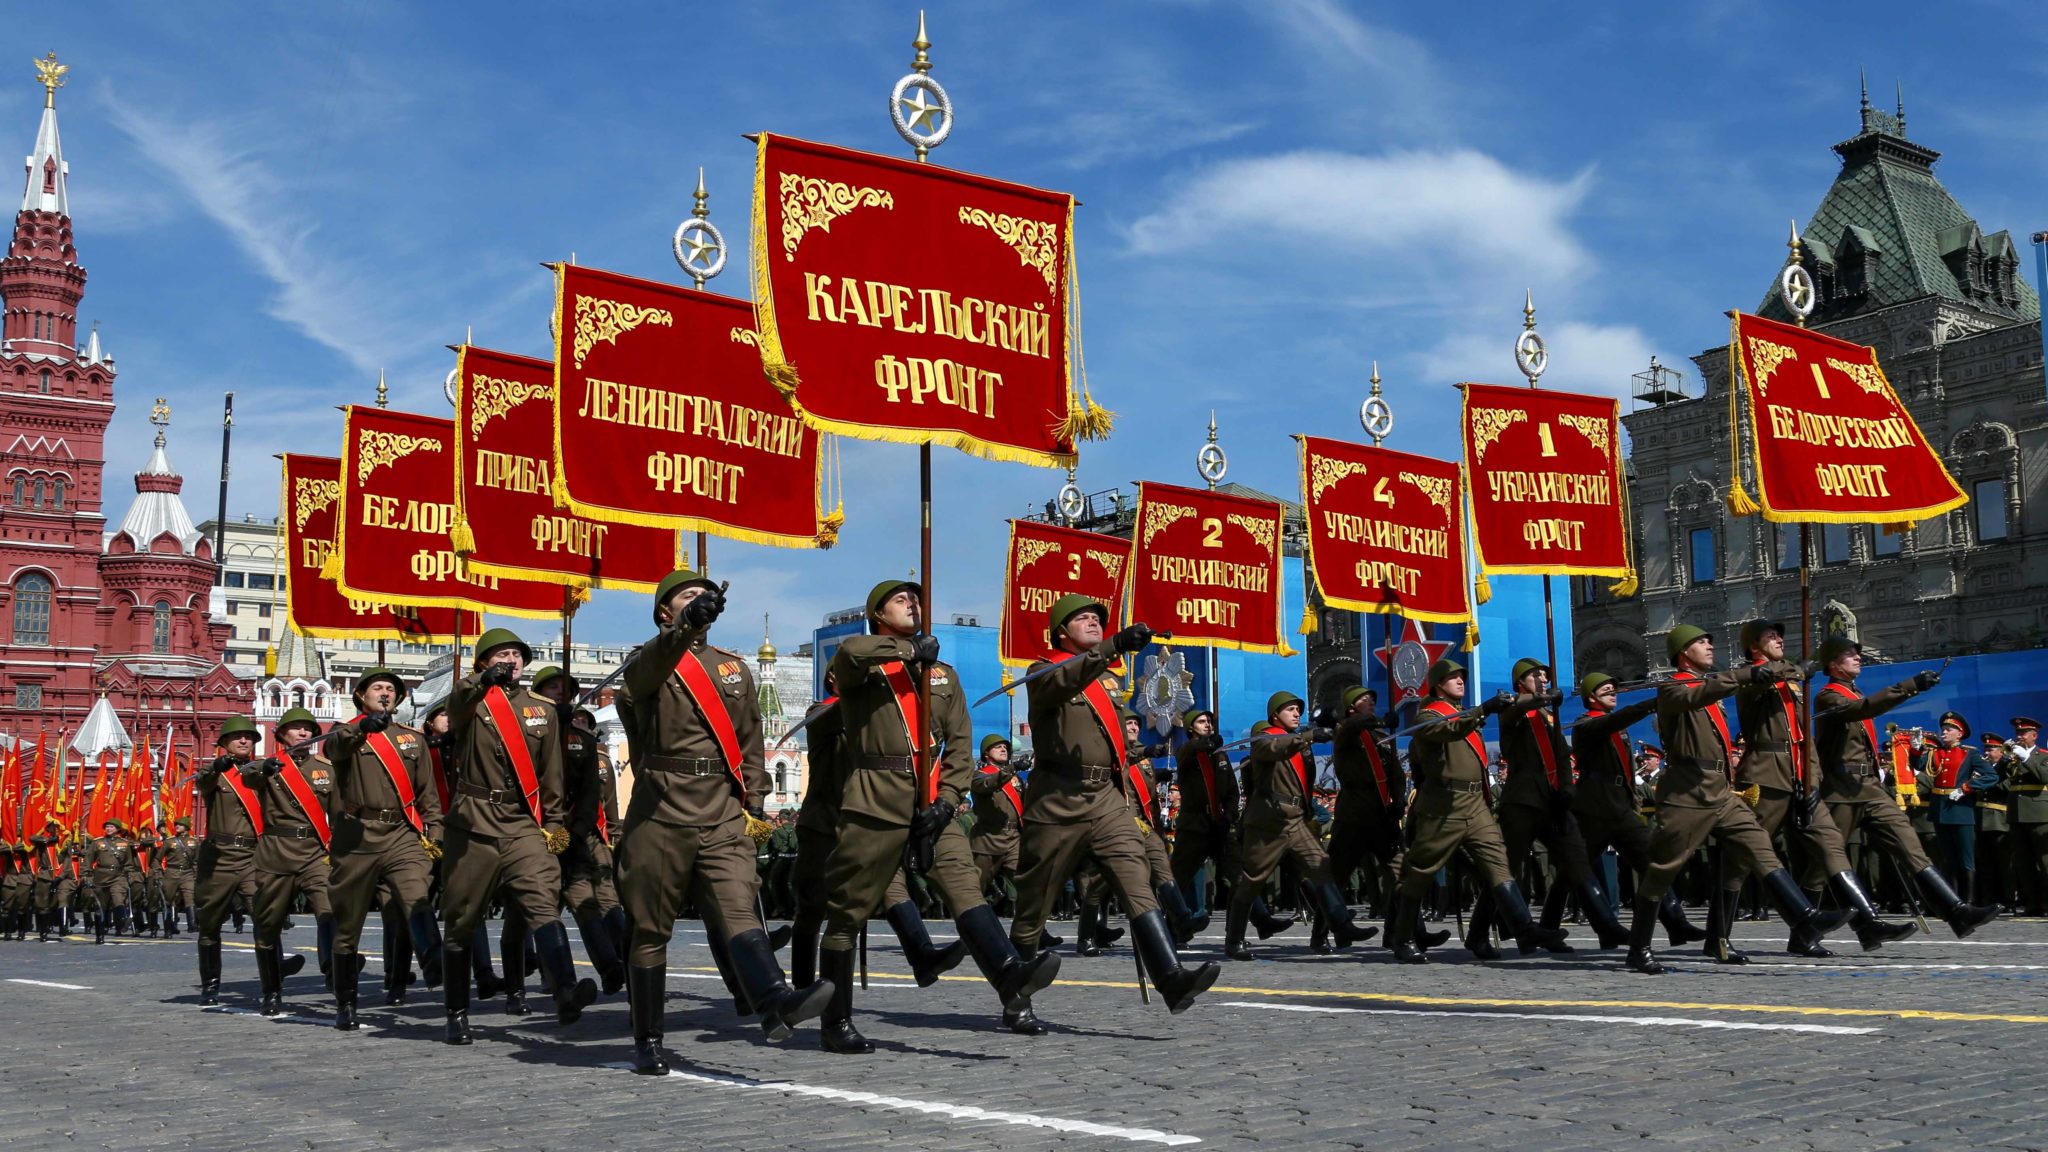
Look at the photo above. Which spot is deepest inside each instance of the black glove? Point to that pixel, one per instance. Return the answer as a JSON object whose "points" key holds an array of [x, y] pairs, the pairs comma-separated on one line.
{"points": [[924, 649], [497, 676], [1922, 681], [1209, 743], [1133, 638], [441, 740], [221, 764], [758, 813], [1319, 735], [1764, 674], [1154, 752], [930, 819], [1550, 699], [705, 610], [1374, 722], [1005, 774], [379, 721], [256, 770], [1497, 704], [917, 855]]}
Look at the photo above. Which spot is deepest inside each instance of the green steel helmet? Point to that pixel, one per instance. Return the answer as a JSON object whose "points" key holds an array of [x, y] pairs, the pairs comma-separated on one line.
{"points": [[299, 716], [182, 822], [1753, 633], [680, 578], [1683, 637], [364, 681], [990, 741], [1592, 683], [113, 824], [1188, 718], [1443, 670], [1280, 700], [543, 674], [1355, 693], [880, 593], [436, 710], [588, 717], [1072, 604], [498, 638], [237, 726], [1834, 648], [1524, 666]]}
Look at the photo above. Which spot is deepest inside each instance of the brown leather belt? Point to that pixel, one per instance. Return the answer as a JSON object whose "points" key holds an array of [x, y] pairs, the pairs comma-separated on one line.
{"points": [[302, 832], [889, 763], [684, 765], [503, 797], [1700, 763], [1472, 788], [377, 815], [1085, 773], [225, 841], [1770, 746]]}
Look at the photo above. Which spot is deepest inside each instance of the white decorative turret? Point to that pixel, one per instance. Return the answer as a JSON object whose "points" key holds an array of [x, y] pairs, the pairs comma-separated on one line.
{"points": [[157, 508], [47, 172]]}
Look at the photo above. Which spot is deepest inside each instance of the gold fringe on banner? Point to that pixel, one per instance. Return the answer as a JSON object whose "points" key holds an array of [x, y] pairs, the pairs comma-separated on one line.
{"points": [[1482, 589], [463, 539], [1085, 419], [1471, 636], [1739, 502], [1009, 677], [1309, 620]]}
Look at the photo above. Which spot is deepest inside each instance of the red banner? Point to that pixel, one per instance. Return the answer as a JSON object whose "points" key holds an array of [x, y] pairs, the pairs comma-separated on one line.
{"points": [[506, 522], [393, 536], [312, 498], [1047, 562], [1833, 442], [906, 302], [1547, 489], [662, 416], [1385, 530], [1207, 568]]}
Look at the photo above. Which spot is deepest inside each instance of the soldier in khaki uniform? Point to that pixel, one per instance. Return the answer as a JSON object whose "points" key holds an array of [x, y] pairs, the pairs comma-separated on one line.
{"points": [[1372, 799], [1074, 805], [1147, 803], [17, 891], [901, 792], [227, 857], [693, 722], [181, 865], [1774, 761], [1606, 803], [1843, 725], [1208, 832], [1694, 800], [110, 860], [1451, 812], [46, 867], [587, 888], [508, 822], [1279, 826], [1994, 826], [998, 808], [817, 829], [291, 855], [387, 832]]}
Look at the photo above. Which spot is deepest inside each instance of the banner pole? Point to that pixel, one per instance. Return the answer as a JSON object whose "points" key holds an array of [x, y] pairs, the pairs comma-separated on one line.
{"points": [[1211, 464], [1532, 359]]}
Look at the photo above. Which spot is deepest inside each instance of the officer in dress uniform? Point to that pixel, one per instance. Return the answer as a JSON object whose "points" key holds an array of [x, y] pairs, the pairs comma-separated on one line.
{"points": [[693, 722], [509, 821], [297, 793], [1452, 811], [1074, 805], [1959, 776], [1607, 803], [1994, 828], [1694, 800], [1844, 724], [2026, 771]]}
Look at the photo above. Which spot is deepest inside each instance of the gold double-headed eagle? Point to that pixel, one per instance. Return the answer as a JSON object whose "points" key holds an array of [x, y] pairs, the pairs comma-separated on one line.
{"points": [[50, 75]]}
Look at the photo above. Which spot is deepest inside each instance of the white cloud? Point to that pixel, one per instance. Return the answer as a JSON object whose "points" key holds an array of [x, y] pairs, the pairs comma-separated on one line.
{"points": [[1421, 205], [1592, 358]]}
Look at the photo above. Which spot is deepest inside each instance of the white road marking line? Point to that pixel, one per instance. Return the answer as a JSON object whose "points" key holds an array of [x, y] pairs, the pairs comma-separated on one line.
{"points": [[1874, 966], [933, 1107], [1648, 1021], [871, 984], [50, 984], [1923, 942]]}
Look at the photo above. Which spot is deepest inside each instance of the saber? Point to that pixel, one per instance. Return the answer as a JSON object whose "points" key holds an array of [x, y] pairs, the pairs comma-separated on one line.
{"points": [[1042, 673], [612, 678], [803, 724]]}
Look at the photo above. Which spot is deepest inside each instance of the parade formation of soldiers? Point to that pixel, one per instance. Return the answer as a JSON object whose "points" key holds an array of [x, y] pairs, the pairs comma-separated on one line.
{"points": [[506, 799]]}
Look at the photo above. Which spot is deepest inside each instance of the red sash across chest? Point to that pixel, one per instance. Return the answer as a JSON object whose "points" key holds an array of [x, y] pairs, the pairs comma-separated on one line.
{"points": [[1473, 740], [1208, 765], [1298, 761], [302, 794], [917, 728], [513, 736], [1869, 725], [1379, 770], [711, 705], [1789, 701], [1010, 790], [1105, 711], [401, 778], [1618, 740], [242, 792], [1546, 746], [1719, 718]]}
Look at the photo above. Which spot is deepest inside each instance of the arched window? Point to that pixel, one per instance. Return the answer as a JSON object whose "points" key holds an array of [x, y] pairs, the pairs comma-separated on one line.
{"points": [[298, 697], [35, 491], [20, 492], [46, 382], [160, 634], [57, 499], [32, 609]]}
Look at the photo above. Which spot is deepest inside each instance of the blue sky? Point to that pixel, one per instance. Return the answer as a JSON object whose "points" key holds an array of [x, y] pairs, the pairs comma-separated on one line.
{"points": [[281, 199]]}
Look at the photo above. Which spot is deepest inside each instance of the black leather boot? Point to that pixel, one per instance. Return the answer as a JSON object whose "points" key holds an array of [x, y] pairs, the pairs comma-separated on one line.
{"points": [[290, 963], [427, 946], [1264, 922], [273, 985], [1793, 905], [1337, 915], [1403, 924], [1677, 929], [1185, 923], [927, 961], [780, 1007], [1719, 946], [1014, 978], [1641, 930], [99, 927], [454, 997], [597, 944], [836, 1032], [1177, 985], [512, 954], [1234, 921], [803, 949], [323, 939], [1514, 919], [487, 983], [1871, 932], [209, 972], [648, 1003], [721, 955], [347, 974], [572, 996], [1084, 937], [1022, 1020], [1803, 942], [1962, 918], [1479, 932], [1599, 913], [614, 924]]}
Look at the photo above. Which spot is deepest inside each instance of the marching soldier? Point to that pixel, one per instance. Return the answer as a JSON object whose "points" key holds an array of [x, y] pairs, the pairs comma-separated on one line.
{"points": [[1694, 800], [17, 891], [1536, 806], [998, 811], [291, 853], [440, 756], [905, 771], [111, 860], [1452, 810], [693, 722], [1074, 807], [1606, 803], [181, 864], [1279, 826], [1372, 800], [1774, 761], [2027, 773], [1147, 808], [1958, 776], [46, 867], [1843, 722], [507, 825], [387, 833], [587, 887], [817, 829], [1207, 833], [71, 883], [227, 857]]}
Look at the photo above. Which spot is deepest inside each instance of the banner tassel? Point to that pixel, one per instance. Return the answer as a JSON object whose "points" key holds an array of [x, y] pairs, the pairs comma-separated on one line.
{"points": [[463, 539], [1009, 677], [1471, 636], [1627, 585], [828, 528], [1482, 590], [1310, 622], [1739, 502]]}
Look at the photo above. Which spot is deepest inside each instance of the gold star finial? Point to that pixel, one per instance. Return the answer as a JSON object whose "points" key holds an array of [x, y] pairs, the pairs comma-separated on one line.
{"points": [[50, 75]]}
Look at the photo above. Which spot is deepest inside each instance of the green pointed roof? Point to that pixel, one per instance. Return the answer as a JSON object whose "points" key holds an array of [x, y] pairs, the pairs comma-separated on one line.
{"points": [[1888, 232]]}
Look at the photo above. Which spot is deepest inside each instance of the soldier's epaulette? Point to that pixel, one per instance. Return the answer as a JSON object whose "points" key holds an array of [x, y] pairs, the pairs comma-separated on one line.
{"points": [[725, 652]]}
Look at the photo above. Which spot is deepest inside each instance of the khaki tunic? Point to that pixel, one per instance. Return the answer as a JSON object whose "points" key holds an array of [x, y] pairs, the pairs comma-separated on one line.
{"points": [[492, 843], [1849, 782], [1208, 814], [290, 858], [593, 789], [1449, 811], [376, 848], [227, 857], [1694, 800], [1767, 762], [1278, 825]]}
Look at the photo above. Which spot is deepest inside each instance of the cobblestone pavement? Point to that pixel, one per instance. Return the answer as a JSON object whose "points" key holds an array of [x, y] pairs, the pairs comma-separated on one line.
{"points": [[1932, 1042]]}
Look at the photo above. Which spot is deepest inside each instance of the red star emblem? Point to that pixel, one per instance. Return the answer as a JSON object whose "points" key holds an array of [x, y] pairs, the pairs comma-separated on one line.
{"points": [[1411, 630]]}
